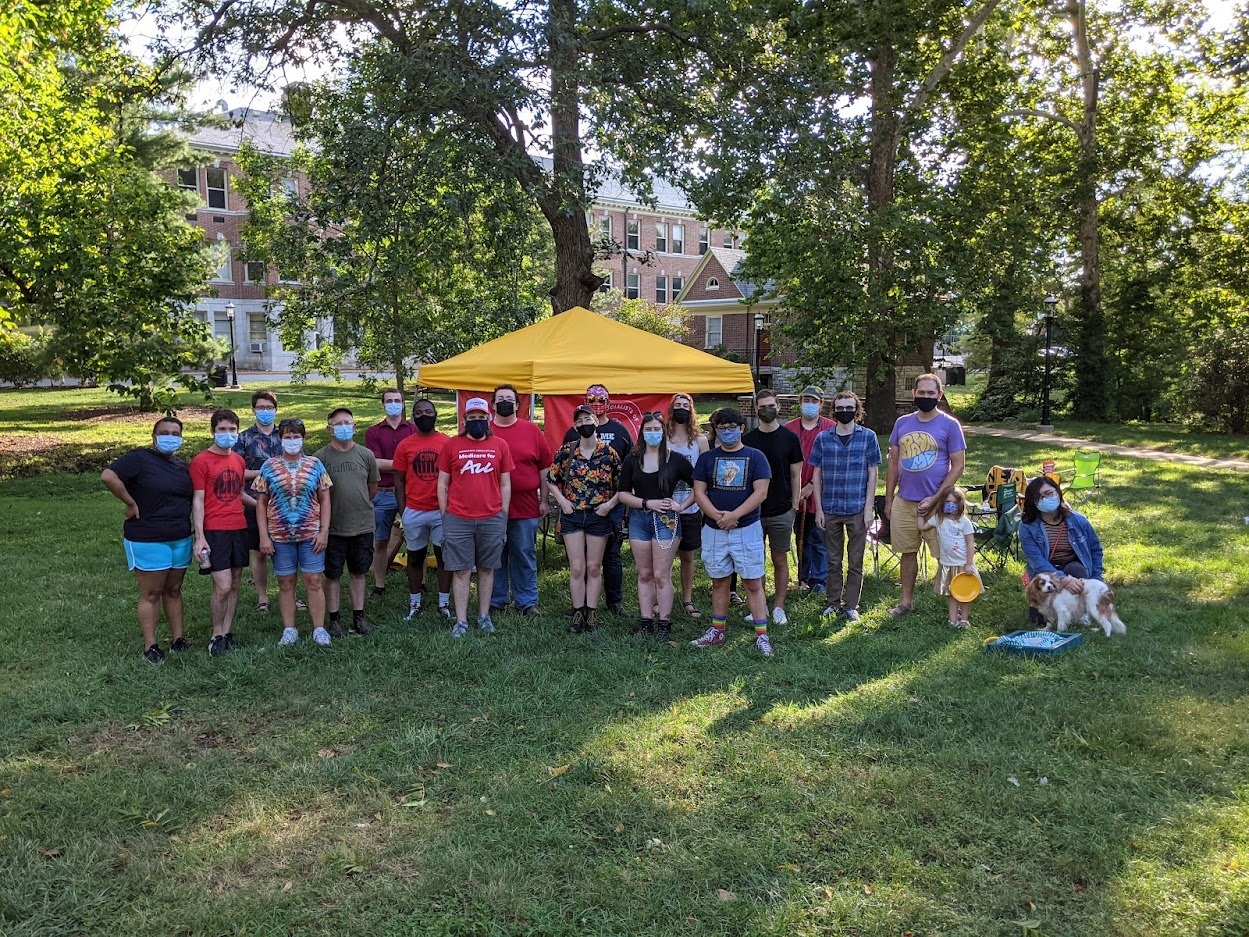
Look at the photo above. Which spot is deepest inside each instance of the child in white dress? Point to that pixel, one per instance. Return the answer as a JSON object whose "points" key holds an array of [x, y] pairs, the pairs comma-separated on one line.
{"points": [[958, 546]]}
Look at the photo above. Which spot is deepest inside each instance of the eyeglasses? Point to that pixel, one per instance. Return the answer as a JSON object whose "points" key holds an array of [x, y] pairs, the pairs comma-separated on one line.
{"points": [[845, 410]]}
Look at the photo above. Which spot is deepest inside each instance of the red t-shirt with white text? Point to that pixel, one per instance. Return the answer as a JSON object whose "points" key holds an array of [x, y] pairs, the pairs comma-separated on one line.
{"points": [[220, 477], [475, 467], [417, 458], [530, 455]]}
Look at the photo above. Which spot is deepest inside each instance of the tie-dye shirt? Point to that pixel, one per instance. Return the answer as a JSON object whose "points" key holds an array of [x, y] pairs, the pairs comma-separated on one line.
{"points": [[294, 511]]}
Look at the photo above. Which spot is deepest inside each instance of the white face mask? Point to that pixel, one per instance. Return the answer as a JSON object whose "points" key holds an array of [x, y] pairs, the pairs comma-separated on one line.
{"points": [[293, 446]]}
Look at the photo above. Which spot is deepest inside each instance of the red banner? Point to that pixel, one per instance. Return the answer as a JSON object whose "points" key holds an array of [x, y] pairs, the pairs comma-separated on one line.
{"points": [[557, 413]]}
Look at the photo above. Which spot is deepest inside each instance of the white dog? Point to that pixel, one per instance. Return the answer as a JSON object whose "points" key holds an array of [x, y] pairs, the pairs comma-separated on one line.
{"points": [[1060, 607]]}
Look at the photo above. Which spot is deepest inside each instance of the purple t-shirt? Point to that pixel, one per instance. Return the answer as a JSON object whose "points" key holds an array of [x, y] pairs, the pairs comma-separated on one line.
{"points": [[924, 449]]}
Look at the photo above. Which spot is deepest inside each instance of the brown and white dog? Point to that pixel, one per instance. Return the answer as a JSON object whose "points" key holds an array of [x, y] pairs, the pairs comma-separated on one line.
{"points": [[1061, 608]]}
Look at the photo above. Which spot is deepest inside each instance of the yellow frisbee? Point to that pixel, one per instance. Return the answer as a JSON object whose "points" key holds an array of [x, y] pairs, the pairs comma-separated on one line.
{"points": [[965, 587]]}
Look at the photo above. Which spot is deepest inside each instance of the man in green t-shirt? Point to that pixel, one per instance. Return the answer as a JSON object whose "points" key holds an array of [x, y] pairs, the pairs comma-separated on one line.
{"points": [[354, 472]]}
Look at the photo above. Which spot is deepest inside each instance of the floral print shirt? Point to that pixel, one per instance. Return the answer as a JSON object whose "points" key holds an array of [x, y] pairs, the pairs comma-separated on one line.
{"points": [[587, 483]]}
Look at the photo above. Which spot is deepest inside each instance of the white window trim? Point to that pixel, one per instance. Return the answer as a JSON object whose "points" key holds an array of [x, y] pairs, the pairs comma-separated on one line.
{"points": [[672, 239], [247, 274], [719, 321], [224, 189], [227, 262], [713, 283], [664, 279], [630, 280], [633, 238], [661, 234]]}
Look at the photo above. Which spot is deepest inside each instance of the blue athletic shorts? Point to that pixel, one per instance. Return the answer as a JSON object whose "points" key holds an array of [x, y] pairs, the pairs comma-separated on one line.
{"points": [[155, 557]]}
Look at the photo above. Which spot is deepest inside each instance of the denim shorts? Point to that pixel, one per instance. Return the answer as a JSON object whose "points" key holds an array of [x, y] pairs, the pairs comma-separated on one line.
{"points": [[288, 557], [585, 522], [385, 507], [739, 550], [157, 557], [646, 525]]}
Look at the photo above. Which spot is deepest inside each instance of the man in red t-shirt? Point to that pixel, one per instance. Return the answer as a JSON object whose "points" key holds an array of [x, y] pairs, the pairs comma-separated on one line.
{"points": [[812, 556], [220, 525], [416, 490], [474, 494], [531, 458]]}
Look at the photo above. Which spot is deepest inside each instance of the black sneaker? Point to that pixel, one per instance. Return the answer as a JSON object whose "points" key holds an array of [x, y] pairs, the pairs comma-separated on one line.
{"points": [[616, 608], [178, 646], [231, 644], [378, 593], [154, 655], [217, 646], [335, 629], [361, 626], [591, 620], [646, 628], [664, 633]]}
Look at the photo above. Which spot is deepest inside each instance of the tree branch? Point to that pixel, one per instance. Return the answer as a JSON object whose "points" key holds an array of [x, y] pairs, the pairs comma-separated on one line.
{"points": [[943, 66], [635, 29], [26, 290], [1045, 115]]}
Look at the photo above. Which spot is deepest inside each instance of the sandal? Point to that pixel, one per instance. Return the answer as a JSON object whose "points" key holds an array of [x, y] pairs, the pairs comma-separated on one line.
{"points": [[692, 610], [735, 599], [899, 610], [262, 607]]}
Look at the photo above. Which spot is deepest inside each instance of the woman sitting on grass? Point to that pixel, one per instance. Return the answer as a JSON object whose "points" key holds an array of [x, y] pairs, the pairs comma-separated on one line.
{"points": [[155, 486], [1056, 539]]}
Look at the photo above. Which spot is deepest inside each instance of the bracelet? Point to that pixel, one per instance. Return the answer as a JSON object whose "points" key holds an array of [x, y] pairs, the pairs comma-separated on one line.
{"points": [[644, 504]]}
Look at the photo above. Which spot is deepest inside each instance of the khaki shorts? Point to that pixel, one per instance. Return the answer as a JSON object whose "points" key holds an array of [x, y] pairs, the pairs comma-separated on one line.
{"points": [[904, 532]]}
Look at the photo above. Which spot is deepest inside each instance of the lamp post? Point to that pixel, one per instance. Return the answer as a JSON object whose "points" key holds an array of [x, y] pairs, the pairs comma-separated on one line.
{"points": [[1046, 425], [234, 367], [758, 343]]}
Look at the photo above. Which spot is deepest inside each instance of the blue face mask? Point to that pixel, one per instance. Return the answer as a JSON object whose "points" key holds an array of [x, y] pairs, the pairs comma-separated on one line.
{"points": [[653, 437], [729, 437], [393, 409], [344, 431], [168, 444], [1048, 505], [226, 440], [810, 410], [950, 507], [266, 417]]}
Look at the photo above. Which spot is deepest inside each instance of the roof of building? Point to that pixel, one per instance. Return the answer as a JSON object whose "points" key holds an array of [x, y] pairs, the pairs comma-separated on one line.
{"points": [[272, 134], [730, 260]]}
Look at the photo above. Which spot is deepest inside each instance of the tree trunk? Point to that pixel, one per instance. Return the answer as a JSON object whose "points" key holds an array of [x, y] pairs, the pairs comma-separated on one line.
{"points": [[1092, 398], [564, 203], [880, 406], [398, 353]]}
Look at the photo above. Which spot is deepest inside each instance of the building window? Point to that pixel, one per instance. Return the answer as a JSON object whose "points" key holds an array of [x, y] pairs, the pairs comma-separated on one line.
{"points": [[678, 239], [704, 240], [661, 238], [189, 179], [254, 271], [225, 264], [677, 284], [604, 228], [715, 331], [730, 238], [661, 290], [713, 283], [632, 286], [290, 188], [605, 286], [215, 181], [221, 325], [633, 235], [257, 328]]}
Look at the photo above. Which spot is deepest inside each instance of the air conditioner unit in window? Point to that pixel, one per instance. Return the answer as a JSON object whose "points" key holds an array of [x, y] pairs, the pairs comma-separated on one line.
{"points": [[258, 347]]}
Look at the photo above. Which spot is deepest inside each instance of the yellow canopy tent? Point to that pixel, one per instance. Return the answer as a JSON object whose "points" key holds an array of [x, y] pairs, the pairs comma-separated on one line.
{"points": [[568, 352]]}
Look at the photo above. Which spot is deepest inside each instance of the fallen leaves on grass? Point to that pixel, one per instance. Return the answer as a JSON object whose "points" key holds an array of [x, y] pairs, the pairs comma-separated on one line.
{"points": [[725, 895]]}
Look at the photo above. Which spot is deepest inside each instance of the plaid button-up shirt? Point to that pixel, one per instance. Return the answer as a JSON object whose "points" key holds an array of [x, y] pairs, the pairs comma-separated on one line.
{"points": [[843, 465]]}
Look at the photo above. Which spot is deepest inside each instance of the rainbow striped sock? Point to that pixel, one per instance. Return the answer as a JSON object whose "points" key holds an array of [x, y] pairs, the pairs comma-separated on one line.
{"points": [[761, 626], [718, 622]]}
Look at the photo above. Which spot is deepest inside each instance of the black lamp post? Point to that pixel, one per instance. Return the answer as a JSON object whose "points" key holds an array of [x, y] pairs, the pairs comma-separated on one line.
{"points": [[758, 343], [234, 367], [1047, 423]]}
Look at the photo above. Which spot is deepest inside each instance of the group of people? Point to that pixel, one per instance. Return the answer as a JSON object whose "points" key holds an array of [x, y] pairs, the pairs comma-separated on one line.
{"points": [[476, 499]]}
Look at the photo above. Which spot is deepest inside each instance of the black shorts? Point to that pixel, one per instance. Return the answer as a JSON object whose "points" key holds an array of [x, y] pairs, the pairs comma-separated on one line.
{"points": [[253, 528], [585, 522], [356, 552], [691, 532], [227, 550]]}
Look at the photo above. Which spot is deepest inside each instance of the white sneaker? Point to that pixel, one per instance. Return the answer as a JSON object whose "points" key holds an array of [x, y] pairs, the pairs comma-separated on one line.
{"points": [[413, 611], [444, 611], [289, 637], [764, 645], [322, 637], [779, 617]]}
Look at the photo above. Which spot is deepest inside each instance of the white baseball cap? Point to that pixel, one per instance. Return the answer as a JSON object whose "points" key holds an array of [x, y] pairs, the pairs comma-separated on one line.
{"points": [[476, 403]]}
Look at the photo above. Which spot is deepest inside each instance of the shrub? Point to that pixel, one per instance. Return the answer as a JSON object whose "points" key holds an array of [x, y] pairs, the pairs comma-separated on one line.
{"points": [[23, 359]]}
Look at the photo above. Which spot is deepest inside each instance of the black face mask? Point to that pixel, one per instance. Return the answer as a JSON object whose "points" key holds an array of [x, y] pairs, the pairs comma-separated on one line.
{"points": [[767, 414], [926, 404], [425, 422], [476, 428], [586, 430], [505, 408], [844, 416], [680, 416]]}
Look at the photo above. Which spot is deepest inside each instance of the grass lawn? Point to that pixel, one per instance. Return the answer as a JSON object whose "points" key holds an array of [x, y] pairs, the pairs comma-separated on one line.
{"points": [[885, 778]]}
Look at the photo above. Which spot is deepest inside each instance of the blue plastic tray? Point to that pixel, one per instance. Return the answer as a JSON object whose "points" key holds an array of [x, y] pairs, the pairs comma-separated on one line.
{"points": [[1036, 643]]}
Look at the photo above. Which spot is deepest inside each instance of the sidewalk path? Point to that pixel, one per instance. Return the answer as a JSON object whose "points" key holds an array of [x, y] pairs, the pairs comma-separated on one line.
{"points": [[1231, 465]]}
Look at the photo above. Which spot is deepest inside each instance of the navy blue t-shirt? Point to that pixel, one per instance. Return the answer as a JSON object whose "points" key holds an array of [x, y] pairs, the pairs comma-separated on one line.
{"points": [[161, 487], [730, 479]]}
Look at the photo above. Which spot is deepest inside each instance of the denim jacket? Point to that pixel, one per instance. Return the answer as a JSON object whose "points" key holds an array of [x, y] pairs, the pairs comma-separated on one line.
{"points": [[1036, 546]]}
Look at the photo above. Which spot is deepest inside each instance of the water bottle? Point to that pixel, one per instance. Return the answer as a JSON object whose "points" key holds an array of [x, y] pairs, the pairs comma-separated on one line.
{"points": [[205, 555]]}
